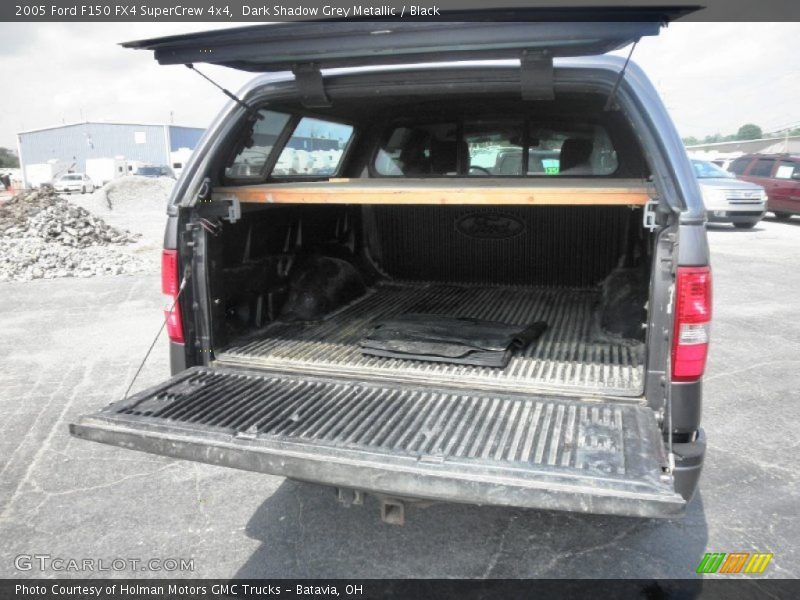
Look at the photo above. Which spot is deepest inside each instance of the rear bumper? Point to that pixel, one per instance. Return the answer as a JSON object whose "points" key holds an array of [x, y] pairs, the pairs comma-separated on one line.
{"points": [[689, 459]]}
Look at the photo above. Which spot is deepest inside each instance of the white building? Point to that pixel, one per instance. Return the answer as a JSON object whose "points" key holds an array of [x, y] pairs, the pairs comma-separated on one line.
{"points": [[70, 146]]}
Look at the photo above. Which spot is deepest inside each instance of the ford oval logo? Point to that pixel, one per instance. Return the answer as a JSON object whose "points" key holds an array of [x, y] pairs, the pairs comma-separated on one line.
{"points": [[489, 226]]}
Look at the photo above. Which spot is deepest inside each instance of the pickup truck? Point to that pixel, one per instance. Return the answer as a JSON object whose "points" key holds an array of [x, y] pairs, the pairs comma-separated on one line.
{"points": [[390, 317]]}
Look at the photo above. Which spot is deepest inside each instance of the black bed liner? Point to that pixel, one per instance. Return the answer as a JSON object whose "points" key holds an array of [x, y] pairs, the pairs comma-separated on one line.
{"points": [[403, 440], [569, 357]]}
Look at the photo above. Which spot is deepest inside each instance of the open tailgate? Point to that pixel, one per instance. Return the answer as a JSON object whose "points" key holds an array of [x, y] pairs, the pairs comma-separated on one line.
{"points": [[402, 440], [352, 43]]}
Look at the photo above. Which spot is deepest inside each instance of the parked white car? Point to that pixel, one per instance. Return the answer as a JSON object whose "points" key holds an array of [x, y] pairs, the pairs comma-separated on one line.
{"points": [[74, 182]]}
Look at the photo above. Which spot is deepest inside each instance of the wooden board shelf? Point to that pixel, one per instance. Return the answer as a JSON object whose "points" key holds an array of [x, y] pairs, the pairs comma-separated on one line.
{"points": [[545, 191]]}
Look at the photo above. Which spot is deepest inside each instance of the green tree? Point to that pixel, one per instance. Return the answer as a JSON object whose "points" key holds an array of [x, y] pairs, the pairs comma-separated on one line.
{"points": [[749, 131], [8, 159], [690, 141]]}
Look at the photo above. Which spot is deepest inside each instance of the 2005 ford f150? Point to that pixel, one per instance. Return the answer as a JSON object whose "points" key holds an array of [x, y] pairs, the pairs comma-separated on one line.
{"points": [[459, 262]]}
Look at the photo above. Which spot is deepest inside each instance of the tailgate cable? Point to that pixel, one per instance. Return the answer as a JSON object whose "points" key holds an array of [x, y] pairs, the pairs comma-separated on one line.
{"points": [[160, 329]]}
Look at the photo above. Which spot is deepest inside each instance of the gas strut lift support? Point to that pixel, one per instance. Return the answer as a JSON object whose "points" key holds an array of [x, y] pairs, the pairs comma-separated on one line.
{"points": [[252, 112]]}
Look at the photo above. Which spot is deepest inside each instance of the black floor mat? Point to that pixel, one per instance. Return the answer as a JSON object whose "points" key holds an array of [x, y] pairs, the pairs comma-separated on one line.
{"points": [[440, 338]]}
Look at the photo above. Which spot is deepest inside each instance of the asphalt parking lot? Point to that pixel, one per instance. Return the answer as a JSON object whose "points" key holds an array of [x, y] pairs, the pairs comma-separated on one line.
{"points": [[70, 346]]}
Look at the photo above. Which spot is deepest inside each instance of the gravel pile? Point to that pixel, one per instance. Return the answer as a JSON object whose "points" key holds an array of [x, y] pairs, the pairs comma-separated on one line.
{"points": [[139, 193], [43, 214], [44, 236], [134, 203]]}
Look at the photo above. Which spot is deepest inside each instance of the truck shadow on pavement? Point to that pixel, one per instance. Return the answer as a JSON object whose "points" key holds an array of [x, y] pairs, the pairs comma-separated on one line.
{"points": [[306, 533], [795, 220], [726, 228]]}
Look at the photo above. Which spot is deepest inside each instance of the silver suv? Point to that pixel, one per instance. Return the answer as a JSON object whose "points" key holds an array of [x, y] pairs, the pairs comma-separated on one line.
{"points": [[727, 199]]}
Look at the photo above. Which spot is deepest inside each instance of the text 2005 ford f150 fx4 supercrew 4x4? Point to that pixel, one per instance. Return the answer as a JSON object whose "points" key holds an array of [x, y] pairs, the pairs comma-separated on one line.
{"points": [[404, 271]]}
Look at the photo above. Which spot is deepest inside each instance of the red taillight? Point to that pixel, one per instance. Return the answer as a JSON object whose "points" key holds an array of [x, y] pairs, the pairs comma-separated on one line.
{"points": [[692, 323], [170, 286]]}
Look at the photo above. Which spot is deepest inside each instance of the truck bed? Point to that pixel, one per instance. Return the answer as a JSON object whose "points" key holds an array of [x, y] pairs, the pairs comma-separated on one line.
{"points": [[573, 356]]}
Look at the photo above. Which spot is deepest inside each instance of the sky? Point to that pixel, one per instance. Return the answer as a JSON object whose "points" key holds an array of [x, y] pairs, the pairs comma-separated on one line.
{"points": [[713, 77]]}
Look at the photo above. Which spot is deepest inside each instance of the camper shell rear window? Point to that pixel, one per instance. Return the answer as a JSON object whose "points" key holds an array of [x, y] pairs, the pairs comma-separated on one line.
{"points": [[309, 147]]}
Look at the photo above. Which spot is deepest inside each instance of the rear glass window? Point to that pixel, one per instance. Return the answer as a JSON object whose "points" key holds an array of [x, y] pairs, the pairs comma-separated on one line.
{"points": [[315, 148], [787, 169], [255, 150], [762, 168], [739, 165], [496, 149]]}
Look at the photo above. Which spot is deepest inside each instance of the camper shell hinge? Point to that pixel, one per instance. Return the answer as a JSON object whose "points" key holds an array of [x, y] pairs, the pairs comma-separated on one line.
{"points": [[536, 75], [311, 85]]}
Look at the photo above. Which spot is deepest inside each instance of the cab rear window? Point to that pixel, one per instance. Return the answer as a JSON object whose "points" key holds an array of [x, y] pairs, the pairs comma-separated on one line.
{"points": [[496, 149]]}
